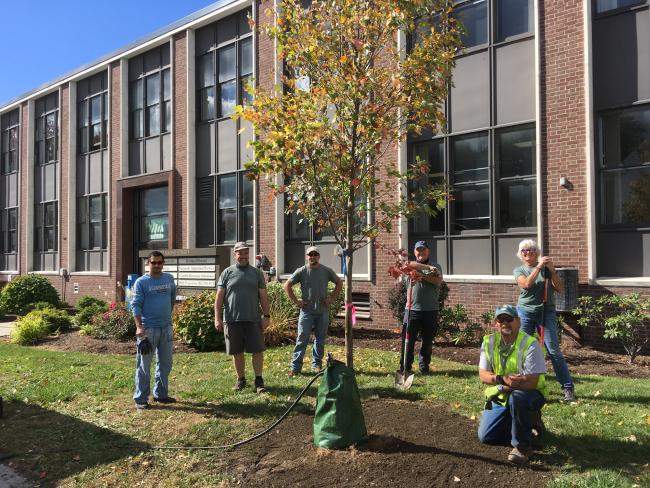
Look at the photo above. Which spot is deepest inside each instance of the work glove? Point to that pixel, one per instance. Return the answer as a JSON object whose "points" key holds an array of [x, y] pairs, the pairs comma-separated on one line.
{"points": [[144, 346]]}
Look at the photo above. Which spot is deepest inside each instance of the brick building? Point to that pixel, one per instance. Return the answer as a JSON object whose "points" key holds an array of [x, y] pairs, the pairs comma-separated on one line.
{"points": [[549, 138]]}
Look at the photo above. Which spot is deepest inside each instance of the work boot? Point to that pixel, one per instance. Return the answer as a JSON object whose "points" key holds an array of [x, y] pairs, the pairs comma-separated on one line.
{"points": [[519, 456], [141, 406], [259, 384], [165, 400], [537, 424], [569, 394], [240, 385]]}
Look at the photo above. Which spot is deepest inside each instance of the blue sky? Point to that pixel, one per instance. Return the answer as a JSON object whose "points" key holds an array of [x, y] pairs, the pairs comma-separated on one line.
{"points": [[41, 40]]}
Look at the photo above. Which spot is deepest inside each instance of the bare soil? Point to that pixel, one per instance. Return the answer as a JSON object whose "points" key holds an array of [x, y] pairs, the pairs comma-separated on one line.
{"points": [[409, 444]]}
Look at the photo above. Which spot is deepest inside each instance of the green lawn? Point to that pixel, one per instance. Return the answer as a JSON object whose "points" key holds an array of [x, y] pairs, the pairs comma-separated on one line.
{"points": [[74, 412]]}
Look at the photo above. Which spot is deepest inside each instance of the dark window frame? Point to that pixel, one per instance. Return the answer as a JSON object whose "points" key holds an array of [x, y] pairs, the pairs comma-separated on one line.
{"points": [[9, 165], [618, 10]]}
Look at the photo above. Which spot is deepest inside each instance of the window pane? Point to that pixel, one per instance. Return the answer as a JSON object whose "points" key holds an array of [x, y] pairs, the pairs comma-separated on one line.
{"points": [[206, 70], [514, 17], [136, 94], [138, 124], [82, 210], [154, 228], [626, 137], [605, 5], [96, 136], [626, 197], [207, 104], [95, 110], [50, 125], [50, 214], [12, 219], [247, 190], [154, 201], [167, 106], [13, 241], [433, 153], [298, 230], [153, 120], [167, 85], [82, 120], [474, 18], [227, 225], [40, 129], [50, 240], [244, 26], [247, 223], [96, 236], [246, 94], [105, 105], [50, 150], [153, 89], [470, 158], [227, 58], [515, 152], [518, 204], [228, 98], [246, 57], [96, 213], [471, 208], [227, 28], [228, 191]]}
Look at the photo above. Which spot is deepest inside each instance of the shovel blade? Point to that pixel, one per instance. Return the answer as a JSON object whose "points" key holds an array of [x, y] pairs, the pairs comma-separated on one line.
{"points": [[403, 381]]}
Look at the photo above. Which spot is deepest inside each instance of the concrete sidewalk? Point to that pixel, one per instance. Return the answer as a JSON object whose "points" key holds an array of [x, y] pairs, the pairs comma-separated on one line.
{"points": [[5, 328]]}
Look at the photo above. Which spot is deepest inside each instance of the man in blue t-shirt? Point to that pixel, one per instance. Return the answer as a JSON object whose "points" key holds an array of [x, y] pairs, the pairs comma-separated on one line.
{"points": [[152, 304]]}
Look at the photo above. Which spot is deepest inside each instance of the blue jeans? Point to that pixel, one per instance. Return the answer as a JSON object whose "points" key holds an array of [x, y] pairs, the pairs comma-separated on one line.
{"points": [[529, 323], [161, 339], [511, 424], [308, 322]]}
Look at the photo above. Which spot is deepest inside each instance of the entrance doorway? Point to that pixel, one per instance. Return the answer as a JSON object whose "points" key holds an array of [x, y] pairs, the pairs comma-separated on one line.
{"points": [[151, 220]]}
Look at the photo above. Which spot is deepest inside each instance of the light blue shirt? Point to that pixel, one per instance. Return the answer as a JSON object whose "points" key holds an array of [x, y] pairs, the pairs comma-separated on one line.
{"points": [[153, 300]]}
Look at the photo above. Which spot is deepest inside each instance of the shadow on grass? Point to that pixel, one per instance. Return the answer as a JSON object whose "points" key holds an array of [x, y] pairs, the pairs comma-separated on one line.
{"points": [[55, 446]]}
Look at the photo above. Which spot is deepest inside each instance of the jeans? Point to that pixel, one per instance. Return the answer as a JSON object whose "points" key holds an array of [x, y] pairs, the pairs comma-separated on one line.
{"points": [[511, 424], [426, 323], [529, 323], [318, 322], [161, 339]]}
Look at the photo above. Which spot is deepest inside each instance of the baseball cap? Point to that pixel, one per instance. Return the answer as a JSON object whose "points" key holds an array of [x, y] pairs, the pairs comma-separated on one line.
{"points": [[506, 310], [312, 249], [420, 244], [239, 246]]}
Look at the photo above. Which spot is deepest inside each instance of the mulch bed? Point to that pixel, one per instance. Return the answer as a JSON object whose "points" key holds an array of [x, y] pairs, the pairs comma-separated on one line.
{"points": [[410, 444]]}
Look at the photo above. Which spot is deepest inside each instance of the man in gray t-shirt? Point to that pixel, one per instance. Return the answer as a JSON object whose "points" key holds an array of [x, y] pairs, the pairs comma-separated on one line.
{"points": [[241, 291], [314, 307]]}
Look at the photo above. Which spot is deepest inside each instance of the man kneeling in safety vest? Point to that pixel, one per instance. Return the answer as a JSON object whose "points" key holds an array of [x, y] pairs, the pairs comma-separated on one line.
{"points": [[512, 363]]}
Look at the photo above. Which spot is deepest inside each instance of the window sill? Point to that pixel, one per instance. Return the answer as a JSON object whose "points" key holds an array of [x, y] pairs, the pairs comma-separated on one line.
{"points": [[50, 273], [7, 272], [634, 281], [498, 279], [90, 273]]}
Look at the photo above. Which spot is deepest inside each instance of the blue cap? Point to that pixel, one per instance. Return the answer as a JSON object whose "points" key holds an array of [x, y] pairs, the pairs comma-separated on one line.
{"points": [[420, 244], [506, 310]]}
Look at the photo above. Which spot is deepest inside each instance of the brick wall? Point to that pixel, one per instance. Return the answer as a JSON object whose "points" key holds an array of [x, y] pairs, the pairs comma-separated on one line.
{"points": [[180, 141]]}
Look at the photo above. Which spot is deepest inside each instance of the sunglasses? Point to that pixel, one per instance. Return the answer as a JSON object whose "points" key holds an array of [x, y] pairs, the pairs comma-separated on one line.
{"points": [[506, 319], [156, 263], [313, 254], [528, 251]]}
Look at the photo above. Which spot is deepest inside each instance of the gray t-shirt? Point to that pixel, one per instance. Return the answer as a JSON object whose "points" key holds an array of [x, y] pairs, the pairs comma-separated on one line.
{"points": [[534, 362], [425, 294], [242, 300], [313, 285], [532, 299]]}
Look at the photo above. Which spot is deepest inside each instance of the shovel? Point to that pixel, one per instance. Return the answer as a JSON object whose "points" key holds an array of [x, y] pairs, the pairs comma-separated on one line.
{"points": [[402, 381]]}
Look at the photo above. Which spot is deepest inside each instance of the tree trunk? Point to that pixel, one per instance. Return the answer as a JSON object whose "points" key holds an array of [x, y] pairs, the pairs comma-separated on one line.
{"points": [[349, 350]]}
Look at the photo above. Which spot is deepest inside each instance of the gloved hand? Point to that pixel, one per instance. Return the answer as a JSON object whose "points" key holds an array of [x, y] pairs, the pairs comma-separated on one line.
{"points": [[144, 346]]}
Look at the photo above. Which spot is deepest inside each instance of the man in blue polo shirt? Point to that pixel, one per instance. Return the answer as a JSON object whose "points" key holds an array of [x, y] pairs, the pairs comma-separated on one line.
{"points": [[153, 301]]}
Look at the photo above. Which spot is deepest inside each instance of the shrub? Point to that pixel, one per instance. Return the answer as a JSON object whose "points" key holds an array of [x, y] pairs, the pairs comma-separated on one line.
{"points": [[283, 309], [623, 316], [19, 294], [87, 300], [30, 329], [57, 320], [194, 322], [454, 325], [116, 323], [397, 299], [41, 306], [86, 330], [85, 315]]}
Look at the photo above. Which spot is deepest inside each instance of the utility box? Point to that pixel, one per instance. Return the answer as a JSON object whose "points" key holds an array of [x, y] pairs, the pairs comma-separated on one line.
{"points": [[567, 300]]}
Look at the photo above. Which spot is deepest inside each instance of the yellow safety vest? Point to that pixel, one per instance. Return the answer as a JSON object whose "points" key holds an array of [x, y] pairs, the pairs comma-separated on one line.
{"points": [[513, 365]]}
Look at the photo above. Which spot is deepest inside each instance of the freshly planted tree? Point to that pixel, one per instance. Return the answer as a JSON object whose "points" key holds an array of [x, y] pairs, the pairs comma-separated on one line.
{"points": [[351, 92]]}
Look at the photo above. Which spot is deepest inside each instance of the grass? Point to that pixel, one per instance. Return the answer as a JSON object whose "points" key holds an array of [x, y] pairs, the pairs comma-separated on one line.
{"points": [[72, 421]]}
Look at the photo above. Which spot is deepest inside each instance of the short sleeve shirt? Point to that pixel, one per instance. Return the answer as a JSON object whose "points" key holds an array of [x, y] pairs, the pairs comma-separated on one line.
{"points": [[242, 300], [534, 362], [425, 294], [532, 299], [313, 284]]}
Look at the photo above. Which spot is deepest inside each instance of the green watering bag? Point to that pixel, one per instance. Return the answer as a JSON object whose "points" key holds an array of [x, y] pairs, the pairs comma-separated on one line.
{"points": [[339, 421]]}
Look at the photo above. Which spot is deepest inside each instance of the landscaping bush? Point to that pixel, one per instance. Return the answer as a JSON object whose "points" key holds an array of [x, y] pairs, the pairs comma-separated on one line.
{"points": [[30, 329], [24, 291], [455, 326], [194, 322], [85, 315], [87, 300], [397, 299], [116, 323], [624, 317], [41, 306], [57, 320]]}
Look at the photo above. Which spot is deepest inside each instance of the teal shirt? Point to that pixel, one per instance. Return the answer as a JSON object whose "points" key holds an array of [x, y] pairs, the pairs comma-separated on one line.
{"points": [[313, 285], [532, 299], [242, 285], [425, 294]]}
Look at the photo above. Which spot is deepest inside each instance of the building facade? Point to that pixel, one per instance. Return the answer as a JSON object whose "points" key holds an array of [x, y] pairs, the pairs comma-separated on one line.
{"points": [[548, 138]]}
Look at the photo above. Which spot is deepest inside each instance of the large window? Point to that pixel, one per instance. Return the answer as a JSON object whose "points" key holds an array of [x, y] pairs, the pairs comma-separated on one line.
{"points": [[152, 218], [224, 69], [46, 183], [488, 153], [9, 151], [150, 112], [92, 173], [609, 5]]}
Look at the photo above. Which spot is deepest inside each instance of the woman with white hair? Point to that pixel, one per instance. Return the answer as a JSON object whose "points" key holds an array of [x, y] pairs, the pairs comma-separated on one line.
{"points": [[532, 310]]}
